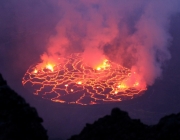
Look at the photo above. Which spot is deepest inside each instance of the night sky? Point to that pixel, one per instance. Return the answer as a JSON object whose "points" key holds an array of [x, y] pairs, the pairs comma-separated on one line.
{"points": [[25, 29]]}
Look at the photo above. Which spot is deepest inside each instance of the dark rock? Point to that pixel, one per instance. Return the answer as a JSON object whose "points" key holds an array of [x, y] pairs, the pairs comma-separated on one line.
{"points": [[119, 126], [18, 121], [2, 81], [168, 127]]}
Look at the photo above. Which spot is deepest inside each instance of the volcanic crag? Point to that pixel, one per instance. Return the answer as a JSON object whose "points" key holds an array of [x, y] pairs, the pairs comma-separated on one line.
{"points": [[119, 126], [18, 121]]}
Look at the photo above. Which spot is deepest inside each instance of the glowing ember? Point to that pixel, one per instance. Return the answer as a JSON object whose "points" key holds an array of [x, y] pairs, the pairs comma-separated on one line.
{"points": [[50, 67], [35, 71], [72, 81]]}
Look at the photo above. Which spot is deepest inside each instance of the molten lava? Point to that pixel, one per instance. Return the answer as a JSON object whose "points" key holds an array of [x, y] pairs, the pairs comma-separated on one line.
{"points": [[72, 81]]}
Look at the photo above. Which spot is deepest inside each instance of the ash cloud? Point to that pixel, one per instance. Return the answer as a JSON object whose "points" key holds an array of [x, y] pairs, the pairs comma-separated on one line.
{"points": [[132, 33]]}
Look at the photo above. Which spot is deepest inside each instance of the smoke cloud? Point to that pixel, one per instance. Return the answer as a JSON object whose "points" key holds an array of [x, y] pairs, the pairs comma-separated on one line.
{"points": [[131, 33]]}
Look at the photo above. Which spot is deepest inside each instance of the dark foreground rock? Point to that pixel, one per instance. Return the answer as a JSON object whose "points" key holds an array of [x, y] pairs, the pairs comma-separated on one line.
{"points": [[119, 126], [18, 121]]}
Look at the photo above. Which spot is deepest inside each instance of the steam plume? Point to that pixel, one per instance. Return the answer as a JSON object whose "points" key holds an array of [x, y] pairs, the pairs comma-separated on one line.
{"points": [[132, 33]]}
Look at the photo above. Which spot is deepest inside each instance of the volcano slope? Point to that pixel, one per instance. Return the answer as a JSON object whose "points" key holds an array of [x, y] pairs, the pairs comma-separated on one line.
{"points": [[18, 121]]}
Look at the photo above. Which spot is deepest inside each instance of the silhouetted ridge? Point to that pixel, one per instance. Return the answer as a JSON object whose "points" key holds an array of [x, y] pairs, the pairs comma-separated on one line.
{"points": [[116, 112], [119, 126], [169, 127], [18, 121], [2, 81]]}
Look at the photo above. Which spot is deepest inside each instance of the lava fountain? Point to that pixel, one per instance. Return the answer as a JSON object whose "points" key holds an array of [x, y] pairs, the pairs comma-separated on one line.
{"points": [[72, 81]]}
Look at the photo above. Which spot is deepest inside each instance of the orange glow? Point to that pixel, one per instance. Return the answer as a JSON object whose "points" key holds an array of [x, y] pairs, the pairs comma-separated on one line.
{"points": [[104, 65], [74, 82], [136, 84], [35, 71], [122, 86], [79, 83], [50, 67]]}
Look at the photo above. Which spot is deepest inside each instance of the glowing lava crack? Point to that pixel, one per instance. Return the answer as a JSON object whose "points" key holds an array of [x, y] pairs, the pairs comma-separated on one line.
{"points": [[74, 82]]}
